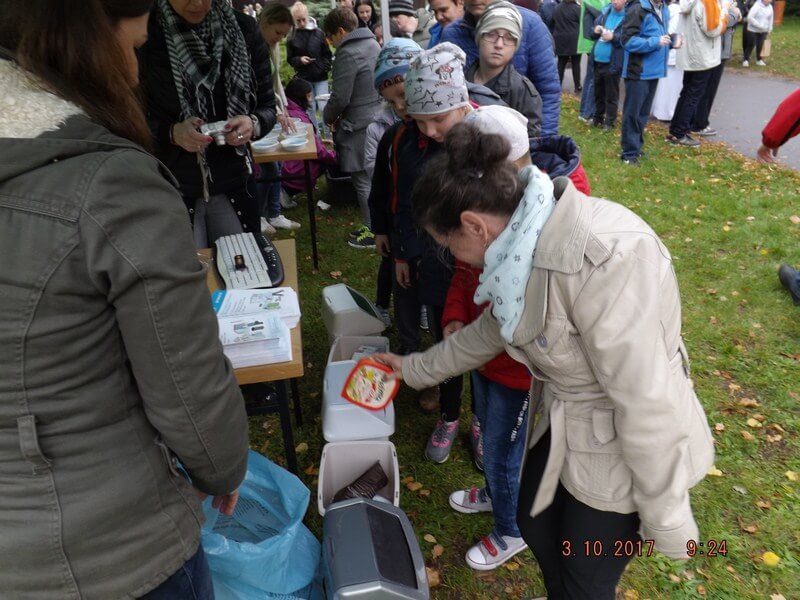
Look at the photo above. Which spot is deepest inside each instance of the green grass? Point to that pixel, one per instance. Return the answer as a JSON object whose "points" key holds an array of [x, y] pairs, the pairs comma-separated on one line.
{"points": [[727, 222], [784, 58]]}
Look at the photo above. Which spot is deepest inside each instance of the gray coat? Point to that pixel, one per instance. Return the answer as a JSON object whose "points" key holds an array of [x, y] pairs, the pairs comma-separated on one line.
{"points": [[110, 362], [354, 101]]}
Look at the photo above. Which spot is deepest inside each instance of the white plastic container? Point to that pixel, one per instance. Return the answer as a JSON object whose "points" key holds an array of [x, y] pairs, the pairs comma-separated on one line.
{"points": [[343, 421], [345, 311], [343, 462], [343, 347]]}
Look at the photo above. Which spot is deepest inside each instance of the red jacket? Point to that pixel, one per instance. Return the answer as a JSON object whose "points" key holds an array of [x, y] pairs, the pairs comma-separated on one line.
{"points": [[295, 167], [784, 124], [460, 306]]}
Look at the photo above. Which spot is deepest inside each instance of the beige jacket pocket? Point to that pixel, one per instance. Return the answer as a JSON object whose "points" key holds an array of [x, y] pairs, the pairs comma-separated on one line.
{"points": [[594, 463]]}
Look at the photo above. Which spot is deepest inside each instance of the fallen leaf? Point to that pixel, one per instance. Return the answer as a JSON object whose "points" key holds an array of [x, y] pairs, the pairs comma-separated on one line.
{"points": [[630, 595], [701, 589], [795, 219], [770, 559], [429, 538], [726, 228], [776, 427], [511, 566], [732, 387], [748, 403], [437, 551], [791, 475], [714, 471], [311, 470], [777, 597], [772, 439], [434, 579], [740, 490], [747, 528], [414, 486], [688, 575], [711, 291], [674, 578], [424, 493], [747, 436], [730, 569], [336, 274], [764, 504], [751, 422], [751, 218], [301, 447], [406, 480], [759, 418], [719, 427]]}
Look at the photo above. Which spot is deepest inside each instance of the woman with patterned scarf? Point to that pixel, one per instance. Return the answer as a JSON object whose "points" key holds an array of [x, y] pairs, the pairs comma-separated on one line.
{"points": [[204, 63]]}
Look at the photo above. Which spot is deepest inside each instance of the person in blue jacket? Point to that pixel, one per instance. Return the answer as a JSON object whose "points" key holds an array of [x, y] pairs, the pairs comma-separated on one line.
{"points": [[534, 58], [646, 42]]}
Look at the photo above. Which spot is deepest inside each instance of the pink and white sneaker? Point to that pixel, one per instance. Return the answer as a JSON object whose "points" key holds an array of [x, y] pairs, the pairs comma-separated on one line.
{"points": [[493, 550]]}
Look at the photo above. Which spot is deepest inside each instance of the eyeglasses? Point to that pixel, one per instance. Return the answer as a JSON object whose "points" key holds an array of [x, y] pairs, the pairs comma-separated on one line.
{"points": [[493, 36]]}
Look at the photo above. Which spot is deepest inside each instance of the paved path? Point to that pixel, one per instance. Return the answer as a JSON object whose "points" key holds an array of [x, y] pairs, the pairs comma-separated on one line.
{"points": [[745, 102]]}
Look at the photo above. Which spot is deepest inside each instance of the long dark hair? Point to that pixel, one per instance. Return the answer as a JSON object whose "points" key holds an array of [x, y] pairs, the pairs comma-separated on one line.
{"points": [[472, 174], [71, 46], [373, 18]]}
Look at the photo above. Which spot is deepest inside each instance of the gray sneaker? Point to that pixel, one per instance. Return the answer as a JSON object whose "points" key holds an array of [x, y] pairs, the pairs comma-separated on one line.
{"points": [[441, 441]]}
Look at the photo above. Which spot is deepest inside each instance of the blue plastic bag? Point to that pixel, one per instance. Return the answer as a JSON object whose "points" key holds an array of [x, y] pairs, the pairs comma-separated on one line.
{"points": [[263, 550]]}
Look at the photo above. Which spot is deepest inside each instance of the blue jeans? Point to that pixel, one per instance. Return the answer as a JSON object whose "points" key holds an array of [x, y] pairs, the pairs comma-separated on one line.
{"points": [[503, 415], [318, 88], [635, 114], [269, 194], [191, 582], [587, 96]]}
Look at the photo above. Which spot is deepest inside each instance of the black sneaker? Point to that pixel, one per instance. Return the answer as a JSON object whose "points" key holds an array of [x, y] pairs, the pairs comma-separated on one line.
{"points": [[789, 279], [686, 140], [631, 161], [364, 240]]}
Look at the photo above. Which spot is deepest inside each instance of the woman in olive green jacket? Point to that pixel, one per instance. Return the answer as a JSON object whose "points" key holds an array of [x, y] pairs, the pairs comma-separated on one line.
{"points": [[583, 292], [111, 367]]}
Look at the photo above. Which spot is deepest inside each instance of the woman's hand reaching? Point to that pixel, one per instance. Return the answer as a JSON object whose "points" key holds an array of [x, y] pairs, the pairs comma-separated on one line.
{"points": [[393, 361]]}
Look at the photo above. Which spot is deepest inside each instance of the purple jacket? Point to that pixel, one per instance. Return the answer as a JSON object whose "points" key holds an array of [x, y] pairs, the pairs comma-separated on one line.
{"points": [[294, 168]]}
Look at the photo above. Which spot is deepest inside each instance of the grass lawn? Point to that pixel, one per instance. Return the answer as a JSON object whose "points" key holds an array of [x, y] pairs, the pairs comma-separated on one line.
{"points": [[727, 222], [784, 58]]}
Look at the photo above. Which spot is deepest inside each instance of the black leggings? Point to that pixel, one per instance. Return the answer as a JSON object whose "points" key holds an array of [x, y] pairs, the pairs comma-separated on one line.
{"points": [[752, 40], [450, 389], [575, 61], [558, 535]]}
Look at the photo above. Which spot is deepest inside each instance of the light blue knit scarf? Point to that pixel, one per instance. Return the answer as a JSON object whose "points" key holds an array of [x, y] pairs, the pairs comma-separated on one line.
{"points": [[508, 260]]}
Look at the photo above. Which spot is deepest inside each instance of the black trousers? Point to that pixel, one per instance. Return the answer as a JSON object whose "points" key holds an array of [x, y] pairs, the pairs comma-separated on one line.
{"points": [[450, 389], [702, 113], [694, 86], [575, 61], [558, 535], [406, 309], [752, 40], [383, 294], [606, 94]]}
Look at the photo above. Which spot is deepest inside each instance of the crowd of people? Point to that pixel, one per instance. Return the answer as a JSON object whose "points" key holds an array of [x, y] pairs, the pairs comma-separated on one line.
{"points": [[562, 308]]}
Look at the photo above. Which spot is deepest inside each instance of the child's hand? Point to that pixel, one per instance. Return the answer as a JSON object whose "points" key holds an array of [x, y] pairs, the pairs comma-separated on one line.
{"points": [[451, 328], [403, 274], [382, 244]]}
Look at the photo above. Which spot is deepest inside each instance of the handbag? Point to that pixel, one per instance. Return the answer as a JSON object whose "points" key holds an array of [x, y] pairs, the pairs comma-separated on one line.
{"points": [[766, 48]]}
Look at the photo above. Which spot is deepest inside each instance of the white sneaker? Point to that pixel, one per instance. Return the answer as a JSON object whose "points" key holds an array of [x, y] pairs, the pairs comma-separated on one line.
{"points": [[286, 201], [267, 228], [471, 501], [761, 63], [493, 550], [323, 205], [745, 63], [281, 222]]}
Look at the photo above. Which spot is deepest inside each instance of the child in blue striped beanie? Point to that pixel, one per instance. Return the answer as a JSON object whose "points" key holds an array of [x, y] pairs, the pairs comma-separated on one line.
{"points": [[390, 74]]}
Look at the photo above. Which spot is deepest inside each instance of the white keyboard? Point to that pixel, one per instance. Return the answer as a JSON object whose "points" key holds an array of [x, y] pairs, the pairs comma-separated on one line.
{"points": [[254, 274]]}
